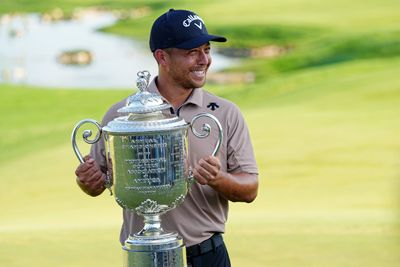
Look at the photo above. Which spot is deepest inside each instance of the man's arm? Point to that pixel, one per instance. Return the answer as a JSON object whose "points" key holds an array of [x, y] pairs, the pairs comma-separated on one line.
{"points": [[90, 177], [239, 186]]}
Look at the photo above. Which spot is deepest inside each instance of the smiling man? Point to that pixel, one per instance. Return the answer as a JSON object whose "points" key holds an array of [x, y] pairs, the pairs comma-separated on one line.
{"points": [[181, 46]]}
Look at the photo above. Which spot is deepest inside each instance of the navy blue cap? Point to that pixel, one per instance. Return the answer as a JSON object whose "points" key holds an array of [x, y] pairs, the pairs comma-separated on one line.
{"points": [[180, 29]]}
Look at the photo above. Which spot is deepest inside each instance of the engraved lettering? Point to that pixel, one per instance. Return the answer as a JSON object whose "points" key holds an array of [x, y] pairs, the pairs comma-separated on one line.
{"points": [[146, 171], [154, 161], [139, 146], [147, 180], [148, 189]]}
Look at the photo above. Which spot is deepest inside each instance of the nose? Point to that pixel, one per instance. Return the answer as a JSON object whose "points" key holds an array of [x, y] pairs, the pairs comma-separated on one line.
{"points": [[204, 57]]}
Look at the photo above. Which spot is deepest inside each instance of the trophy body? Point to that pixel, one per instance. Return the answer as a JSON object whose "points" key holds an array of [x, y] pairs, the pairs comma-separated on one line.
{"points": [[148, 165], [149, 178], [148, 171]]}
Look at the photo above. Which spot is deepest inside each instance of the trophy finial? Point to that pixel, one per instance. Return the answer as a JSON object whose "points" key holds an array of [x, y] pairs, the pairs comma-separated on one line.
{"points": [[144, 101], [143, 79]]}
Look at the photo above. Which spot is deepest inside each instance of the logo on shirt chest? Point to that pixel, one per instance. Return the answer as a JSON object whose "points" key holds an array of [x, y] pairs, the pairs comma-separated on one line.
{"points": [[213, 106]]}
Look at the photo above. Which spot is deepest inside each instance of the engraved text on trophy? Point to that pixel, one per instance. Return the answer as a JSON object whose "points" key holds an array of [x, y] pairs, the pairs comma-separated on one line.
{"points": [[152, 162]]}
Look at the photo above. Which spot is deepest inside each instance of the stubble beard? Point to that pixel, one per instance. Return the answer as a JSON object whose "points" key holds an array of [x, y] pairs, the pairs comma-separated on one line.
{"points": [[190, 83]]}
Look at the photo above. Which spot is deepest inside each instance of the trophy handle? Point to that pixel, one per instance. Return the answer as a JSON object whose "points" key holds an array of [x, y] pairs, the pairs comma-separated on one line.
{"points": [[206, 129], [86, 134]]}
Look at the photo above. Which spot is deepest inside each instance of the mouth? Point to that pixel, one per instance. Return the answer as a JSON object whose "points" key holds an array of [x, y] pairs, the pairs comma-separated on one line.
{"points": [[199, 73]]}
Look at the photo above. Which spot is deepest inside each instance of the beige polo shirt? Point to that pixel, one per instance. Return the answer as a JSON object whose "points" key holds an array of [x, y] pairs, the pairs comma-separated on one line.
{"points": [[204, 210]]}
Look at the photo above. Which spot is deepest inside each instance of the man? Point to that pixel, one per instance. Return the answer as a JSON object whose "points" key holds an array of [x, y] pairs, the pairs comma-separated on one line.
{"points": [[180, 44]]}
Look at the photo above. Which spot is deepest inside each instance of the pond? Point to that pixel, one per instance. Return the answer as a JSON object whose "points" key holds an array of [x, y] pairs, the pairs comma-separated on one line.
{"points": [[31, 53]]}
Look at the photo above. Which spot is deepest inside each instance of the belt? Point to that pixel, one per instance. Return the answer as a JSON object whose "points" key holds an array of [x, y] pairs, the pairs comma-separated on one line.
{"points": [[206, 246]]}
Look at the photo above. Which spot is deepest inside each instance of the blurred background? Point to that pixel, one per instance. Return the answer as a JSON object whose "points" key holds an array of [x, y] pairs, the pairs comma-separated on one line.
{"points": [[317, 81]]}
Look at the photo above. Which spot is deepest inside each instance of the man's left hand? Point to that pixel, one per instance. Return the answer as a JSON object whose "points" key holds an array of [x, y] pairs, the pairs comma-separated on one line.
{"points": [[207, 170]]}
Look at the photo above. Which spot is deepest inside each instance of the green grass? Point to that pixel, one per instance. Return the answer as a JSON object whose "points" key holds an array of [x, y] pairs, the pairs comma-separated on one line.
{"points": [[329, 188], [70, 5], [45, 115], [324, 121]]}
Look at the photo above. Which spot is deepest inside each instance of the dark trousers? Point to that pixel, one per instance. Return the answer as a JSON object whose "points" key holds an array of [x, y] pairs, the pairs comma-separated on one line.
{"points": [[209, 253]]}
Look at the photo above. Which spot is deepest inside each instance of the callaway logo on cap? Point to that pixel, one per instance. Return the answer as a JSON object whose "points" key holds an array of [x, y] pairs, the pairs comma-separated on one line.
{"points": [[180, 29], [190, 19]]}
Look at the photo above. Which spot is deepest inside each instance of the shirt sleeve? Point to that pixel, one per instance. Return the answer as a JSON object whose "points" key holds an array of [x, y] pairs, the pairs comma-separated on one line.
{"points": [[239, 147]]}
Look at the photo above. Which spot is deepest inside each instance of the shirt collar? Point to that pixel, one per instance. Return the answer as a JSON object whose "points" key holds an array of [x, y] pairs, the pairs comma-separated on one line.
{"points": [[196, 97]]}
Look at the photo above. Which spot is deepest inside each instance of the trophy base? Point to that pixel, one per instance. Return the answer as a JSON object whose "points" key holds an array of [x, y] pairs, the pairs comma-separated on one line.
{"points": [[166, 250]]}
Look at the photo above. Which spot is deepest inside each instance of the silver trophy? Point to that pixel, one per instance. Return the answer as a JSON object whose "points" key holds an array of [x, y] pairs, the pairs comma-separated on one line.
{"points": [[148, 171]]}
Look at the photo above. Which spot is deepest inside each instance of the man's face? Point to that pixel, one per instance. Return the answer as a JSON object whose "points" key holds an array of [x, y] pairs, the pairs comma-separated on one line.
{"points": [[188, 68]]}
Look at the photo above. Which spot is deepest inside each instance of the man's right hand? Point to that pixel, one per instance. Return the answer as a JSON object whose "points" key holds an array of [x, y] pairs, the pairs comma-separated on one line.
{"points": [[89, 177]]}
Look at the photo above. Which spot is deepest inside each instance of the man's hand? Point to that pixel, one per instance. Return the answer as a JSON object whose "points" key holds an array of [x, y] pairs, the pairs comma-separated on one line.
{"points": [[239, 186], [207, 170], [89, 177]]}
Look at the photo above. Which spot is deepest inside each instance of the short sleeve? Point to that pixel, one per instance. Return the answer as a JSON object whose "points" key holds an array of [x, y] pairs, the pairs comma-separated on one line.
{"points": [[239, 147]]}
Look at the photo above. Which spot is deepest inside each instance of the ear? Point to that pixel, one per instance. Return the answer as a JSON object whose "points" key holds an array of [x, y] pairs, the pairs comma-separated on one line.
{"points": [[161, 57]]}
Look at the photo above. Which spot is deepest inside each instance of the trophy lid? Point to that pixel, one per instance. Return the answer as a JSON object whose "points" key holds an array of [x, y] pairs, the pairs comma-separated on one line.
{"points": [[144, 112], [144, 101]]}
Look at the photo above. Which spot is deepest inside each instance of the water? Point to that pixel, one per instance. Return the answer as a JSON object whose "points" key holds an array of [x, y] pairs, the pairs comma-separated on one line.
{"points": [[29, 48]]}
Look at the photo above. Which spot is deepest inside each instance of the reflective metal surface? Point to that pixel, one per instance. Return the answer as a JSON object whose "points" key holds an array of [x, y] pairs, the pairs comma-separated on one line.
{"points": [[167, 251], [148, 170]]}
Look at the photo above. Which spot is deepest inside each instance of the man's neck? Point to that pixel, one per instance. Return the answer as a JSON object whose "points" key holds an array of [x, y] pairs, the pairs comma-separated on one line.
{"points": [[173, 93]]}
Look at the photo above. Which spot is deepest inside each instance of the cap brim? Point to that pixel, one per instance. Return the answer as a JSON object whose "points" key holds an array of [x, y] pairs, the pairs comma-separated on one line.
{"points": [[199, 41]]}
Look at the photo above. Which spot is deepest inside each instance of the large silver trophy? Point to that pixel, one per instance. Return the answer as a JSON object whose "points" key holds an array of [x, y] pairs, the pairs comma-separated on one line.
{"points": [[148, 171]]}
